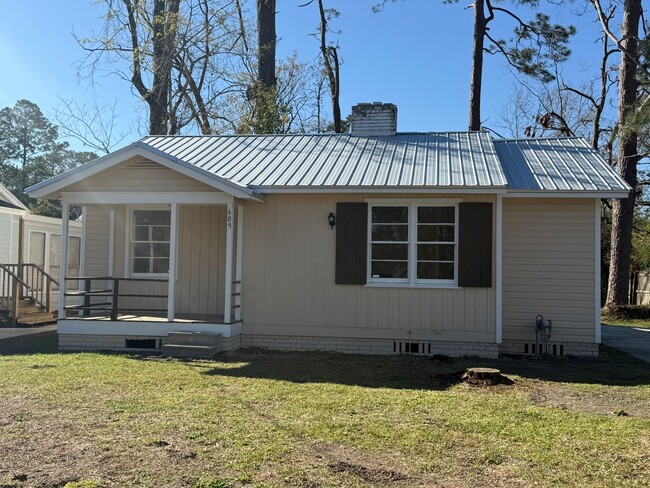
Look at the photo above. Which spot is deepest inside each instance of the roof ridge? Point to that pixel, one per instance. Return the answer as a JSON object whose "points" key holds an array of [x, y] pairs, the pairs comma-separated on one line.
{"points": [[529, 139], [309, 134]]}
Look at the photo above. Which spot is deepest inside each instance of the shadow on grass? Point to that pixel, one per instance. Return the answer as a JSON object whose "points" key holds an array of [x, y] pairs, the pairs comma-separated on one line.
{"points": [[409, 372], [44, 343]]}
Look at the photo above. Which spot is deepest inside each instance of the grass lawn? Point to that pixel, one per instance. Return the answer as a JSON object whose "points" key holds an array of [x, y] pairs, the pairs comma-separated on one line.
{"points": [[643, 324], [319, 420]]}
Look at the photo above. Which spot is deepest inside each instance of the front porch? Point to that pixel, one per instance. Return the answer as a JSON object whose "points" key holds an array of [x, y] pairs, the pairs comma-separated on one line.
{"points": [[154, 263]]}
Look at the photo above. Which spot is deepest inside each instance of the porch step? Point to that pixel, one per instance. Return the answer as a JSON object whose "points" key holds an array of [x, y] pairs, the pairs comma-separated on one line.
{"points": [[36, 318], [192, 344], [190, 351]]}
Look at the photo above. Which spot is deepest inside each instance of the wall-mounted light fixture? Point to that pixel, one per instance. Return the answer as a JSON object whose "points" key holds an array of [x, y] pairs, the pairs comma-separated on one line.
{"points": [[331, 218]]}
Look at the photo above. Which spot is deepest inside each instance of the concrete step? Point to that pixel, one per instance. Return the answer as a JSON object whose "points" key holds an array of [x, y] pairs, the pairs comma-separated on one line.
{"points": [[189, 351], [210, 339]]}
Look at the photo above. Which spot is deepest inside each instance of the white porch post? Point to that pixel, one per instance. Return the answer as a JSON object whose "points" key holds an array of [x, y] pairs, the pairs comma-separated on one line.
{"points": [[173, 245], [499, 270], [238, 260], [227, 304], [65, 232]]}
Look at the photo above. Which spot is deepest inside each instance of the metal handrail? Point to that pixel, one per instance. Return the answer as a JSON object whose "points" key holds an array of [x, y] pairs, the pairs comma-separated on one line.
{"points": [[112, 292]]}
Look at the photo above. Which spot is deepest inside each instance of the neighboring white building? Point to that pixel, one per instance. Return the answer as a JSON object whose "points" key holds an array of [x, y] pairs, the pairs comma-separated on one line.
{"points": [[40, 240], [373, 241]]}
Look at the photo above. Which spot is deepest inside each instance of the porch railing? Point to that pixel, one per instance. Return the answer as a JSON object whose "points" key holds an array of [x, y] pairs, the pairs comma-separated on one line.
{"points": [[26, 281], [111, 293]]}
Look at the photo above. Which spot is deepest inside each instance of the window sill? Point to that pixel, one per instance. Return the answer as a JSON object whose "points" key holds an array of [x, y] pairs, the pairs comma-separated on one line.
{"points": [[450, 286]]}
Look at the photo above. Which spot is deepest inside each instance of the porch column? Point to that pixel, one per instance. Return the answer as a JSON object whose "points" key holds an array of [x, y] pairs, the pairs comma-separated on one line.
{"points": [[173, 245], [65, 232], [227, 303], [238, 259], [499, 270]]}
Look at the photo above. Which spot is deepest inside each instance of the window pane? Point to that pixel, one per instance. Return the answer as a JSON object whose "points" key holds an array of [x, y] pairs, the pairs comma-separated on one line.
{"points": [[152, 217], [37, 248], [141, 265], [436, 233], [160, 233], [435, 271], [141, 233], [436, 215], [55, 250], [161, 265], [390, 214], [74, 253], [390, 251], [161, 250], [141, 250], [389, 269], [390, 233], [435, 252]]}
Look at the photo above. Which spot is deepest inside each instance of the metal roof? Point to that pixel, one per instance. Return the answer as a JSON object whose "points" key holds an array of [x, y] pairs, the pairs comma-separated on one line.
{"points": [[557, 164], [448, 160]]}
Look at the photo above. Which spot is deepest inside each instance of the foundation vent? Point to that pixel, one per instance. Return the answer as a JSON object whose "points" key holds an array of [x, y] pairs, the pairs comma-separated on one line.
{"points": [[412, 348], [534, 349], [142, 343]]}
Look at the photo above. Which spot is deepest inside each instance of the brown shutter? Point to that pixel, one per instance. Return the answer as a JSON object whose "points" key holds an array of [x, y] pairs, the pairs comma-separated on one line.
{"points": [[351, 243], [475, 245]]}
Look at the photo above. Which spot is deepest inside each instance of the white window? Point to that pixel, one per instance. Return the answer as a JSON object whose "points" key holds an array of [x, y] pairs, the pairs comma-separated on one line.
{"points": [[74, 259], [150, 231], [413, 243]]}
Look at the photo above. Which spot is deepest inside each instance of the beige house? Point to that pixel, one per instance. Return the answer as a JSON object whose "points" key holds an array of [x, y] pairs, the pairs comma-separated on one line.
{"points": [[30, 248], [373, 241]]}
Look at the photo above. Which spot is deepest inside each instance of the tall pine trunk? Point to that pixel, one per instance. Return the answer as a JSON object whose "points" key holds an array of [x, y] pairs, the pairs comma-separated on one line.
{"points": [[266, 43], [332, 69], [477, 66], [623, 210]]}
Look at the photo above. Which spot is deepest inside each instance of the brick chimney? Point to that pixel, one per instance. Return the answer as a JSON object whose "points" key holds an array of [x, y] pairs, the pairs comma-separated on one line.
{"points": [[374, 119]]}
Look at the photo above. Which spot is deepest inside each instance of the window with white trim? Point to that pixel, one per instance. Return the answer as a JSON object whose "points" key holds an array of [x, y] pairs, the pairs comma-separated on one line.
{"points": [[150, 231], [413, 243]]}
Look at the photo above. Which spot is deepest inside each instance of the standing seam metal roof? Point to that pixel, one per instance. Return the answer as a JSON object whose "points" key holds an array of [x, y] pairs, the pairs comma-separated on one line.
{"points": [[450, 159], [558, 164]]}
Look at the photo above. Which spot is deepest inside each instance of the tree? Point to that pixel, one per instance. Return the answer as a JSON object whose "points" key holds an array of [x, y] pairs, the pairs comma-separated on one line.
{"points": [[331, 63], [183, 58], [623, 210], [30, 152], [266, 119]]}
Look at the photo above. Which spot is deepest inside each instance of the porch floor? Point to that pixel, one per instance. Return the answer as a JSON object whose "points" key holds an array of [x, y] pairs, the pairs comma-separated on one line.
{"points": [[183, 318]]}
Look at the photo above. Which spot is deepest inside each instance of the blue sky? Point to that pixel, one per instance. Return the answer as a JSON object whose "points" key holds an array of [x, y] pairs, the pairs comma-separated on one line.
{"points": [[416, 54]]}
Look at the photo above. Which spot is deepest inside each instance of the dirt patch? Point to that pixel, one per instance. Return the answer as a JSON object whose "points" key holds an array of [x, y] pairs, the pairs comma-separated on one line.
{"points": [[609, 401], [477, 377], [371, 475], [46, 448]]}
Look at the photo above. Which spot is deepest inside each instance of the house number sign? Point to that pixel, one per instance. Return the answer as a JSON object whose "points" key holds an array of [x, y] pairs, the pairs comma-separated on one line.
{"points": [[229, 219]]}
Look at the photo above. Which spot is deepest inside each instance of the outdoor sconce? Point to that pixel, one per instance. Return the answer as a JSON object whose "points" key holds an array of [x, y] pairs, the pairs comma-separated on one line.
{"points": [[331, 218]]}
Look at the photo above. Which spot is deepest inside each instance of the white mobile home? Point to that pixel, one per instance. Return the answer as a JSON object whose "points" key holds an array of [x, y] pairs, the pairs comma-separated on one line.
{"points": [[30, 249], [373, 241]]}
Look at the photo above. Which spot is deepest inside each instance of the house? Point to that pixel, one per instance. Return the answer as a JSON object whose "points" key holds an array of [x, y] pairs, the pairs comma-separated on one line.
{"points": [[373, 241], [30, 249]]}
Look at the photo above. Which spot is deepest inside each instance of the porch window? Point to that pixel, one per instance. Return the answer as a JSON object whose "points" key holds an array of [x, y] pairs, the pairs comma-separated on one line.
{"points": [[150, 242], [74, 259], [413, 243]]}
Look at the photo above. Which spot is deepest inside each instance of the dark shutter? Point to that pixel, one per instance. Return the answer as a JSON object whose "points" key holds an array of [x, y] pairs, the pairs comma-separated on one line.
{"points": [[351, 243], [475, 244]]}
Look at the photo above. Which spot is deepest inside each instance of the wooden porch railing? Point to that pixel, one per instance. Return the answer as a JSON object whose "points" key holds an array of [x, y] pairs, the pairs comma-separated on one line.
{"points": [[25, 281], [112, 294]]}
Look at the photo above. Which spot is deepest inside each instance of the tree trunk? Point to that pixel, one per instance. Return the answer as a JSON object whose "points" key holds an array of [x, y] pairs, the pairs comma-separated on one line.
{"points": [[165, 27], [332, 68], [477, 66], [623, 210], [266, 43]]}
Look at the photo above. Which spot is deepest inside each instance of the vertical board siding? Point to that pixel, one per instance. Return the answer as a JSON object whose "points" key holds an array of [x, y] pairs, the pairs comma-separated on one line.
{"points": [[549, 267], [6, 237], [289, 281], [201, 257], [97, 244]]}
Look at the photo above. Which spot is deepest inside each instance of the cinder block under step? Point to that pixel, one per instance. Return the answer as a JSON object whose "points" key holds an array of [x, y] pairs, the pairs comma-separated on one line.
{"points": [[192, 344]]}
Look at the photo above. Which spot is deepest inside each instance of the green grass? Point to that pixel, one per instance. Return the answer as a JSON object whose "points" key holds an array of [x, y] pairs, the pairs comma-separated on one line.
{"points": [[641, 323], [317, 420]]}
